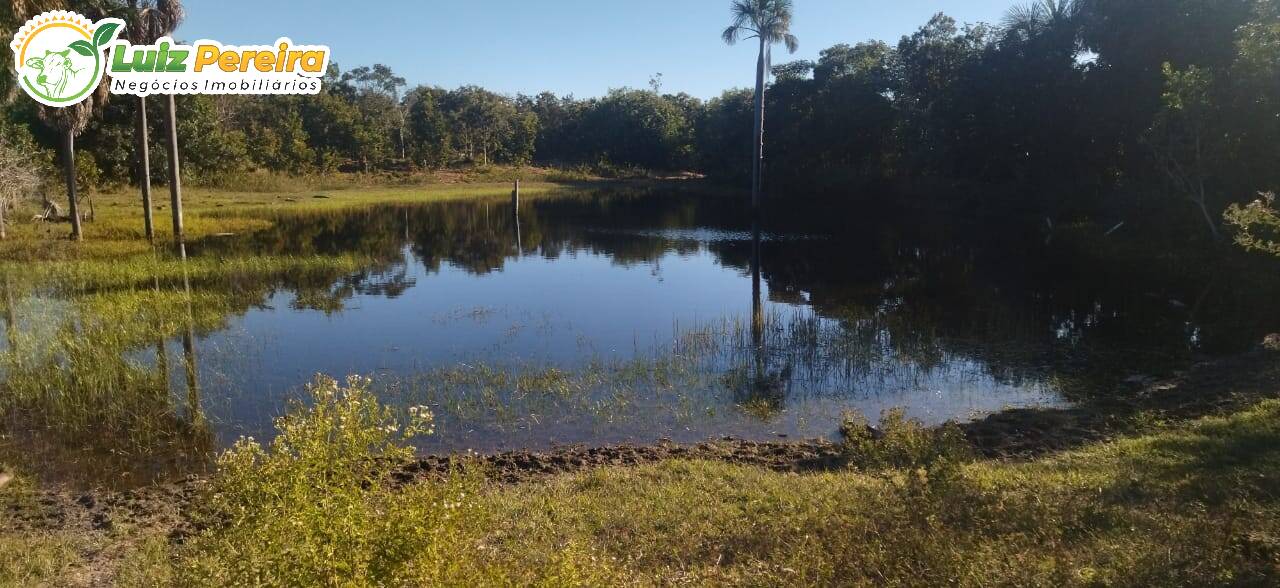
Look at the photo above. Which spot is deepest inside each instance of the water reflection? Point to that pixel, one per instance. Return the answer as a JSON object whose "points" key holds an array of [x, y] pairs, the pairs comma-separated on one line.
{"points": [[620, 317], [80, 406], [844, 314]]}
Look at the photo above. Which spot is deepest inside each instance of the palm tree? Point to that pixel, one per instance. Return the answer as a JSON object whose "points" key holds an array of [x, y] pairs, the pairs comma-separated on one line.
{"points": [[148, 21], [768, 21], [69, 121], [1030, 20]]}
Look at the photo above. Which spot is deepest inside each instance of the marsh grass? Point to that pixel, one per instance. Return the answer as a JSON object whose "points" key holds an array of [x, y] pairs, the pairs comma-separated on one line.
{"points": [[117, 232], [30, 556], [903, 443], [708, 374], [80, 409], [87, 366]]}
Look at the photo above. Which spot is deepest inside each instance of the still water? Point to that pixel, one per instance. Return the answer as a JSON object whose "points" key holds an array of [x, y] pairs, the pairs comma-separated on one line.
{"points": [[631, 317]]}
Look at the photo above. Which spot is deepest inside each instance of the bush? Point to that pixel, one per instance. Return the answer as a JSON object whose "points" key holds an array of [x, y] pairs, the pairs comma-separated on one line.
{"points": [[902, 443], [1257, 224], [317, 506]]}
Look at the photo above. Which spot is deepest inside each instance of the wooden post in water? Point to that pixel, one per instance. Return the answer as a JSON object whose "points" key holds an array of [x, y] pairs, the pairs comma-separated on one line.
{"points": [[515, 214], [175, 178]]}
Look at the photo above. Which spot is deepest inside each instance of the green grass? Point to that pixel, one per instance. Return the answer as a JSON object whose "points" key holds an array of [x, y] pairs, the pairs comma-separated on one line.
{"points": [[1195, 503]]}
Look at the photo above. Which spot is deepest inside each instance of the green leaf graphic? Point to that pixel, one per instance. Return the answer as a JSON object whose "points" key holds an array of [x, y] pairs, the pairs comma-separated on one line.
{"points": [[102, 35], [82, 47]]}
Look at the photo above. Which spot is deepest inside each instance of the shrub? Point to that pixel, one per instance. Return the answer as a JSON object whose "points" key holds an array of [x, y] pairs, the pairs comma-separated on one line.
{"points": [[1257, 224], [902, 443], [317, 506]]}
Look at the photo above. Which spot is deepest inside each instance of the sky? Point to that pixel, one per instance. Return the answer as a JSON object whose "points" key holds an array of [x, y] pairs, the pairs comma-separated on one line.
{"points": [[579, 47]]}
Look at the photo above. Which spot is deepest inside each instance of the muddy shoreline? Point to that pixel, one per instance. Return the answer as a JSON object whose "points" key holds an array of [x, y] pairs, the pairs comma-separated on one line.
{"points": [[1210, 387]]}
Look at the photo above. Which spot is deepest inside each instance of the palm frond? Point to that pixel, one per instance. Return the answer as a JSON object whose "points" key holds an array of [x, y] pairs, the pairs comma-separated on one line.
{"points": [[769, 20], [792, 43], [731, 34], [1023, 18], [743, 11]]}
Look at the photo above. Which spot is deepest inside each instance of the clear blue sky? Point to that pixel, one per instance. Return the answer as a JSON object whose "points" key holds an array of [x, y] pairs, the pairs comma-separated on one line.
{"points": [[583, 47]]}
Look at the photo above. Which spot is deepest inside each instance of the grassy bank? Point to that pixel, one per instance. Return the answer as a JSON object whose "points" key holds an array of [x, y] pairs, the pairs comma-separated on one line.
{"points": [[116, 230], [1185, 503]]}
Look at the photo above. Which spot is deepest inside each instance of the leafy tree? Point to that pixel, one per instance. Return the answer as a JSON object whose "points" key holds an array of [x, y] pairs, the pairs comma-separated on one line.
{"points": [[378, 92], [430, 144], [722, 140], [932, 67], [636, 128], [480, 121], [1181, 137], [274, 132]]}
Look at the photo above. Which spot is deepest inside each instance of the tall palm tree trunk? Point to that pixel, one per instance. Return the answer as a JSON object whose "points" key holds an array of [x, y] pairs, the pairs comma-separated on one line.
{"points": [[757, 143], [69, 163], [144, 167], [175, 175]]}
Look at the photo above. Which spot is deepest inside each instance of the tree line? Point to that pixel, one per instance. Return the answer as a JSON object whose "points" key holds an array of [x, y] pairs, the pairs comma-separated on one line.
{"points": [[1065, 108]]}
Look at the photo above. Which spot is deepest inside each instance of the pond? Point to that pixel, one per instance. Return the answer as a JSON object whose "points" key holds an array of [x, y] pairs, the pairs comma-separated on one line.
{"points": [[633, 316]]}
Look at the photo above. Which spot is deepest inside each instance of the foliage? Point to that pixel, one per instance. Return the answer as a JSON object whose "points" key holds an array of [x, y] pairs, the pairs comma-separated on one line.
{"points": [[19, 175], [902, 443], [315, 507], [1258, 224]]}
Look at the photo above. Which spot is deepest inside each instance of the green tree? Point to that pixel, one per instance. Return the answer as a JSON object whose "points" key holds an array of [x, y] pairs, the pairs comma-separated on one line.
{"points": [[19, 176], [378, 99], [636, 128], [1041, 17], [479, 120], [429, 139], [1182, 140]]}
